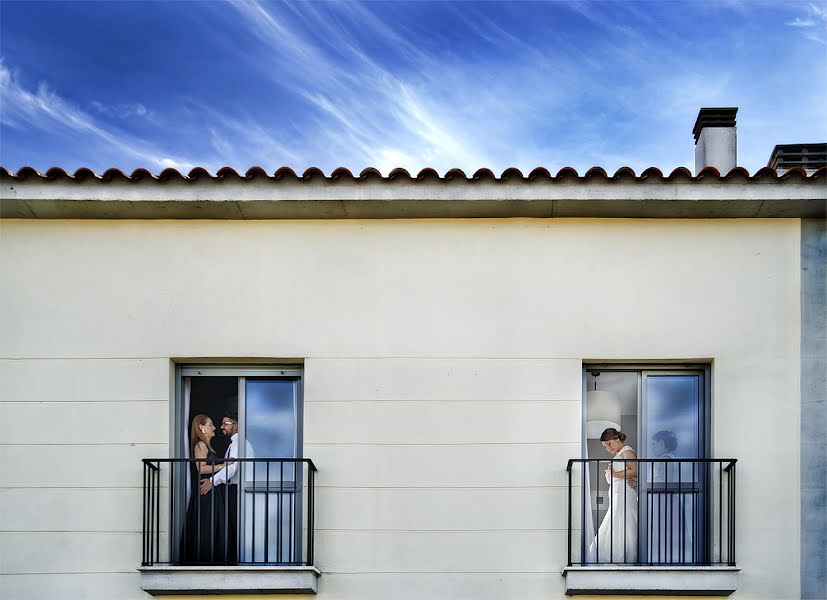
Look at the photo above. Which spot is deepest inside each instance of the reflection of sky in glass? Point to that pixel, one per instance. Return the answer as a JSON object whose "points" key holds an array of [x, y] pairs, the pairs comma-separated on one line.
{"points": [[673, 406], [271, 417]]}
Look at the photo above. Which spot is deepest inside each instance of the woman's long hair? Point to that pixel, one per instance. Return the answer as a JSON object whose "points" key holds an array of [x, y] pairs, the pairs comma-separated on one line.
{"points": [[196, 435]]}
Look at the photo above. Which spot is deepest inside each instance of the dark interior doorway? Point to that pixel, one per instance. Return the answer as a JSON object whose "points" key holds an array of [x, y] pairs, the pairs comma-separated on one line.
{"points": [[214, 396]]}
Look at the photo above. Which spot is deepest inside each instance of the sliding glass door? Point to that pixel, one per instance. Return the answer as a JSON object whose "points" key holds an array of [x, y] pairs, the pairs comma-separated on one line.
{"points": [[271, 491], [674, 496]]}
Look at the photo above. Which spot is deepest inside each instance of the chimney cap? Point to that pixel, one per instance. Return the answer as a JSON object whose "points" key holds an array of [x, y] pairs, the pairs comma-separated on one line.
{"points": [[714, 117], [808, 156]]}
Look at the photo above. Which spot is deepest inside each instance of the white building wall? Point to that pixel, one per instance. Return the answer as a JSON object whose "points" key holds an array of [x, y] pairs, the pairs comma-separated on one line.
{"points": [[442, 383]]}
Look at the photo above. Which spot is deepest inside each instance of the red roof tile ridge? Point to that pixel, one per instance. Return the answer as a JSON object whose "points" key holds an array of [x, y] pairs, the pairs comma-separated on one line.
{"points": [[680, 173], [651, 173], [624, 173], [341, 173], [312, 173], [595, 173], [567, 174], [427, 172], [112, 174], [511, 173], [83, 174], [484, 173], [170, 174], [370, 173], [399, 173], [280, 173], [227, 173], [539, 173]]}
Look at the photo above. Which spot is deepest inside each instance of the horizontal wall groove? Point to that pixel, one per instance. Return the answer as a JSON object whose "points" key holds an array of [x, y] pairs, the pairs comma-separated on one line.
{"points": [[492, 530], [326, 572], [29, 573], [72, 487], [65, 402], [252, 360], [441, 487], [88, 445], [78, 531], [442, 401], [427, 445], [33, 532]]}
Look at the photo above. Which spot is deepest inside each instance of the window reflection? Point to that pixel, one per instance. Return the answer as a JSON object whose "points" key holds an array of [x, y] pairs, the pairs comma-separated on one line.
{"points": [[271, 417], [673, 415]]}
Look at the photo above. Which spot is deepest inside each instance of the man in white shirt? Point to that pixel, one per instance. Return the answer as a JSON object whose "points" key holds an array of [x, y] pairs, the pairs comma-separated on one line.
{"points": [[229, 476]]}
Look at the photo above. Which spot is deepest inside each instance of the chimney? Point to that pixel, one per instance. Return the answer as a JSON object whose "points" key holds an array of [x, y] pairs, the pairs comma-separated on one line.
{"points": [[810, 157], [716, 143]]}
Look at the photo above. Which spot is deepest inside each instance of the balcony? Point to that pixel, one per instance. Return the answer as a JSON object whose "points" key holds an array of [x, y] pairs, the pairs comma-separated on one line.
{"points": [[670, 530], [255, 536]]}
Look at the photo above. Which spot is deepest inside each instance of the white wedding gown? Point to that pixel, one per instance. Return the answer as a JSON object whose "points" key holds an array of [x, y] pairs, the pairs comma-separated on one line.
{"points": [[618, 530]]}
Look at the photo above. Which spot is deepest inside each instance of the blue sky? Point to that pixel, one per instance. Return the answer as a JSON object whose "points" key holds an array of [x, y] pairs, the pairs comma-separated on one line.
{"points": [[412, 85]]}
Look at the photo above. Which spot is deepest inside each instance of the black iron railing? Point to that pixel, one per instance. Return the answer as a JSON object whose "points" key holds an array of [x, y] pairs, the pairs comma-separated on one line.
{"points": [[652, 511], [262, 516]]}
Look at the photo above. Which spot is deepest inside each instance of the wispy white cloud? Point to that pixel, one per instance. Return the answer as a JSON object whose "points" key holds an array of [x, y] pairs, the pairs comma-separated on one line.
{"points": [[46, 110], [799, 22], [432, 111], [237, 141], [813, 24], [452, 110], [121, 111]]}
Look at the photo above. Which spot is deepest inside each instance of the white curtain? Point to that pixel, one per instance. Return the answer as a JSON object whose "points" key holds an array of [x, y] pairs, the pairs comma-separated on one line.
{"points": [[590, 554], [186, 437]]}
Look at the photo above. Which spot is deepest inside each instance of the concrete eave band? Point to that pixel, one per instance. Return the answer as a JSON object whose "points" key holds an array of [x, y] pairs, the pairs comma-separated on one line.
{"points": [[368, 200], [655, 580], [211, 580]]}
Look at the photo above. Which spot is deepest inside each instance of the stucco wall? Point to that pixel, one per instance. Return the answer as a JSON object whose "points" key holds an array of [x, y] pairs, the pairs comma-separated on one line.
{"points": [[442, 385]]}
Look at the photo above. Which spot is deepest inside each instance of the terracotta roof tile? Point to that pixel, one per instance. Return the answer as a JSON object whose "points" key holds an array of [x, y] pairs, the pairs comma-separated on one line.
{"points": [[484, 173], [566, 174]]}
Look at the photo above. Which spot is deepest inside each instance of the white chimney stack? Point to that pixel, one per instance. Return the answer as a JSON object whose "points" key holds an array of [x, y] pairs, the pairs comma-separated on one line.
{"points": [[716, 143]]}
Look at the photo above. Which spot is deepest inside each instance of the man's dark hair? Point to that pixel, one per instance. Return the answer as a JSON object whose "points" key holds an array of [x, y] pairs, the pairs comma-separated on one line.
{"points": [[232, 416]]}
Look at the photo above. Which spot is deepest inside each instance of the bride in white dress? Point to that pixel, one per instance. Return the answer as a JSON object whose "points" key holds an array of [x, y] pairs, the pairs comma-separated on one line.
{"points": [[616, 539]]}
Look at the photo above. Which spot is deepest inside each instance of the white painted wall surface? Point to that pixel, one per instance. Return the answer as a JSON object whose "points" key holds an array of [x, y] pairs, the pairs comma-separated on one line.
{"points": [[442, 383]]}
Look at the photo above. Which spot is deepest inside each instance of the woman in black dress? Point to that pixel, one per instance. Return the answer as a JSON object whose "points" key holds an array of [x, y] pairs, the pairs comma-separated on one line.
{"points": [[203, 539]]}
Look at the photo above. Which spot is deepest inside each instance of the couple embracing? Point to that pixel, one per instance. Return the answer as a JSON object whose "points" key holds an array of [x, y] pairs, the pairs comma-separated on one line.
{"points": [[211, 526]]}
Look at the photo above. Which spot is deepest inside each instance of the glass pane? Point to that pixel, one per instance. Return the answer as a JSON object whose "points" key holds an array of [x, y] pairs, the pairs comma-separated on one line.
{"points": [[674, 498], [272, 494], [271, 417], [673, 416]]}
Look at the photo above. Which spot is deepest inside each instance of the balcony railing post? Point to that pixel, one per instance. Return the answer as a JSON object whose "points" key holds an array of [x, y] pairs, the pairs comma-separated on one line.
{"points": [[681, 532], [144, 561], [569, 519], [734, 502], [583, 476], [279, 510], [612, 509], [293, 521], [267, 516], [151, 515], [172, 522], [625, 484], [310, 509], [158, 513]]}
